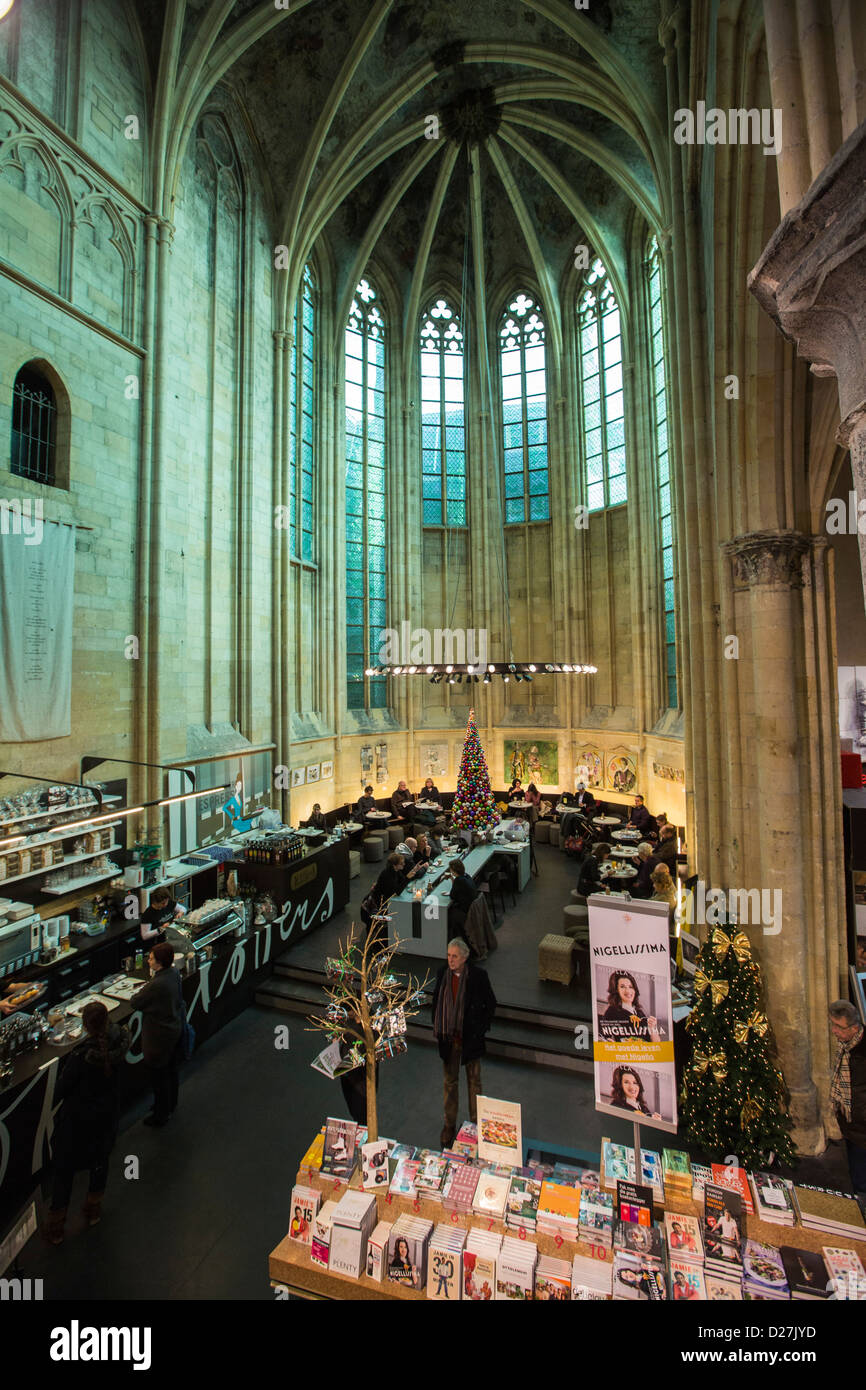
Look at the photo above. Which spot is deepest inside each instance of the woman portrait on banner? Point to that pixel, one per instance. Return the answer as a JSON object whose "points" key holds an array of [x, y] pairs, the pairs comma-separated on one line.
{"points": [[518, 764], [627, 1092], [234, 808], [624, 1016]]}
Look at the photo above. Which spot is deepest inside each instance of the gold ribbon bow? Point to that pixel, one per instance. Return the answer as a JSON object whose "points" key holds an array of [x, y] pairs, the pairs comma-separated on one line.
{"points": [[716, 1063], [757, 1024], [718, 988], [739, 944], [750, 1112]]}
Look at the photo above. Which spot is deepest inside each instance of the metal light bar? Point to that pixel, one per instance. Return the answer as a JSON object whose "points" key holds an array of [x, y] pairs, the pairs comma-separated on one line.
{"points": [[189, 796]]}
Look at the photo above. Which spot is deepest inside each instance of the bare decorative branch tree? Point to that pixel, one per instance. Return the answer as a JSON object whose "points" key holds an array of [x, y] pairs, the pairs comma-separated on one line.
{"points": [[368, 1005]]}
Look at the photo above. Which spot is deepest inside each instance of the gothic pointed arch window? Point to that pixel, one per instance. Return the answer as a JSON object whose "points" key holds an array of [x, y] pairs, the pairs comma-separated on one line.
{"points": [[602, 407], [365, 498], [302, 422], [659, 397], [523, 378], [443, 417]]}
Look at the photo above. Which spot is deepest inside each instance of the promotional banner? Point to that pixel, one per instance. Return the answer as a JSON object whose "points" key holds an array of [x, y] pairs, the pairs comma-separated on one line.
{"points": [[633, 1039]]}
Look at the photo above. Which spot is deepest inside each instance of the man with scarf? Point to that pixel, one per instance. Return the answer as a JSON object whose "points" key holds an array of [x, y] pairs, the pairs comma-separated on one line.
{"points": [[463, 1009], [848, 1087]]}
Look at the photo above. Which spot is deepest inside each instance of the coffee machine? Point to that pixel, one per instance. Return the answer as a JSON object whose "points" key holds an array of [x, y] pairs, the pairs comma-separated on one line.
{"points": [[53, 928]]}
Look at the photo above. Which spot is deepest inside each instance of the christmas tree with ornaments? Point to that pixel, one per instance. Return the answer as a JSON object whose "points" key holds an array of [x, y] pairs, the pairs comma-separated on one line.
{"points": [[474, 807]]}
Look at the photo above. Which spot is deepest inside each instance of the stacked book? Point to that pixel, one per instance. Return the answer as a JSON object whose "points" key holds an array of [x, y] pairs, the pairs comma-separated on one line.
{"points": [[723, 1233], [377, 1252], [591, 1279], [313, 1157], [320, 1243], [491, 1194], [596, 1218], [559, 1210], [688, 1283], [846, 1272], [808, 1276], [408, 1244], [736, 1179], [305, 1204], [677, 1174], [515, 1269], [403, 1181], [836, 1213], [552, 1280], [444, 1263], [638, 1278], [480, 1255], [430, 1178], [617, 1165], [459, 1191], [651, 1173], [772, 1198], [638, 1239], [352, 1224], [763, 1273], [342, 1139], [701, 1175], [683, 1236], [521, 1209], [467, 1140]]}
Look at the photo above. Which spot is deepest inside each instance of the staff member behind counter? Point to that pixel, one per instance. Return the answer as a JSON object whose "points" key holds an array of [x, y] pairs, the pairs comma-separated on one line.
{"points": [[163, 910]]}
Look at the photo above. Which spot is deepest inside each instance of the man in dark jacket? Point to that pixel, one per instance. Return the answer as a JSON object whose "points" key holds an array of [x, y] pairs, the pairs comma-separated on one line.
{"points": [[640, 819], [666, 850], [848, 1087], [463, 1009], [464, 891], [160, 1005], [642, 885]]}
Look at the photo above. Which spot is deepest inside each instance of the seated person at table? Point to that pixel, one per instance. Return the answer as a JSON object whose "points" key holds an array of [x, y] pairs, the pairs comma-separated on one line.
{"points": [[316, 820], [391, 881], [430, 792], [666, 849], [399, 801], [518, 829], [366, 804], [584, 805], [424, 851], [588, 869], [641, 887], [640, 819], [664, 890], [464, 891], [585, 800], [533, 794], [515, 791]]}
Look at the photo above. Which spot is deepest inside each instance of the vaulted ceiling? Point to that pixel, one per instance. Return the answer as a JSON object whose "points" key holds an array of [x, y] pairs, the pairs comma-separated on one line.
{"points": [[398, 129]]}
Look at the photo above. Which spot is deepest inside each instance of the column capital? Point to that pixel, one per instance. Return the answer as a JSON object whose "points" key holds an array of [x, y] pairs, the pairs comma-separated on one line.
{"points": [[811, 278], [768, 559]]}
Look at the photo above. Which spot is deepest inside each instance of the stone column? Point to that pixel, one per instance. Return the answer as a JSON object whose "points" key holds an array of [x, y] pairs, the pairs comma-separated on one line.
{"points": [[768, 579]]}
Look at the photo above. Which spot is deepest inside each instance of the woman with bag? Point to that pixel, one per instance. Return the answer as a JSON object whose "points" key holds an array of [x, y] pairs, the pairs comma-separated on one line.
{"points": [[162, 1022]]}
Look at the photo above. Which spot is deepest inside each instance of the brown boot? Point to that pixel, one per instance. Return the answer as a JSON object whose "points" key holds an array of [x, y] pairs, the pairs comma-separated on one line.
{"points": [[53, 1228], [93, 1208]]}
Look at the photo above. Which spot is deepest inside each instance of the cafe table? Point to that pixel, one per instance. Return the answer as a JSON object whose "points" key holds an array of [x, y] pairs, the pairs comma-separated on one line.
{"points": [[606, 820], [633, 835]]}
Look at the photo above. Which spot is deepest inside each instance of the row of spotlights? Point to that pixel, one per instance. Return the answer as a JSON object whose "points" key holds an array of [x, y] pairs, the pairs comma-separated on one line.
{"points": [[506, 671]]}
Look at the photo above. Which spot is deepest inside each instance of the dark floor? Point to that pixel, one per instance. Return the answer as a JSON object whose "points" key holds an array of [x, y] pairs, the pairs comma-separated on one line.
{"points": [[212, 1191]]}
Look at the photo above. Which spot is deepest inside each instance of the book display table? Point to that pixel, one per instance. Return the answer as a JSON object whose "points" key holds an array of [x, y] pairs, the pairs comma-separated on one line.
{"points": [[290, 1266]]}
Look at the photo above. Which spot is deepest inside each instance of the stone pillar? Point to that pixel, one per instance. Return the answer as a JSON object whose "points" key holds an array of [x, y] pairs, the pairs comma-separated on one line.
{"points": [[768, 579], [811, 279]]}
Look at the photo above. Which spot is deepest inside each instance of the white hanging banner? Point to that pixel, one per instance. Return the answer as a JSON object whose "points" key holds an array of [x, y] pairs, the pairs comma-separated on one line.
{"points": [[633, 1039], [36, 596]]}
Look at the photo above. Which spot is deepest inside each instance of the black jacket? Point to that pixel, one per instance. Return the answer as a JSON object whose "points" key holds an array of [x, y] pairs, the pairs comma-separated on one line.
{"points": [[86, 1124], [588, 876], [666, 853], [365, 804], [642, 886], [478, 1011], [464, 891], [159, 1002], [855, 1128], [390, 882], [640, 818]]}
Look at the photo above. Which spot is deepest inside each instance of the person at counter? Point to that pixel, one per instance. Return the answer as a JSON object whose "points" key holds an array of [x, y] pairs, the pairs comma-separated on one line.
{"points": [[400, 800], [464, 891], [160, 1004], [162, 910], [86, 1124], [391, 881]]}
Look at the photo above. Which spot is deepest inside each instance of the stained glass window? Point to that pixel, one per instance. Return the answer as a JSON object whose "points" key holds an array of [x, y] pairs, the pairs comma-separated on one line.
{"points": [[601, 390], [443, 420], [365, 498], [524, 411], [302, 424], [658, 393]]}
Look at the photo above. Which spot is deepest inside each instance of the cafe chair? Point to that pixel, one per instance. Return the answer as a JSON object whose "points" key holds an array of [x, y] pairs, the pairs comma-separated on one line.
{"points": [[542, 832]]}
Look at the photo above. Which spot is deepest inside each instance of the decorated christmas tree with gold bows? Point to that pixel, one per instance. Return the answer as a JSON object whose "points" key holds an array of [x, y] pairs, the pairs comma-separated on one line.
{"points": [[733, 1098]]}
